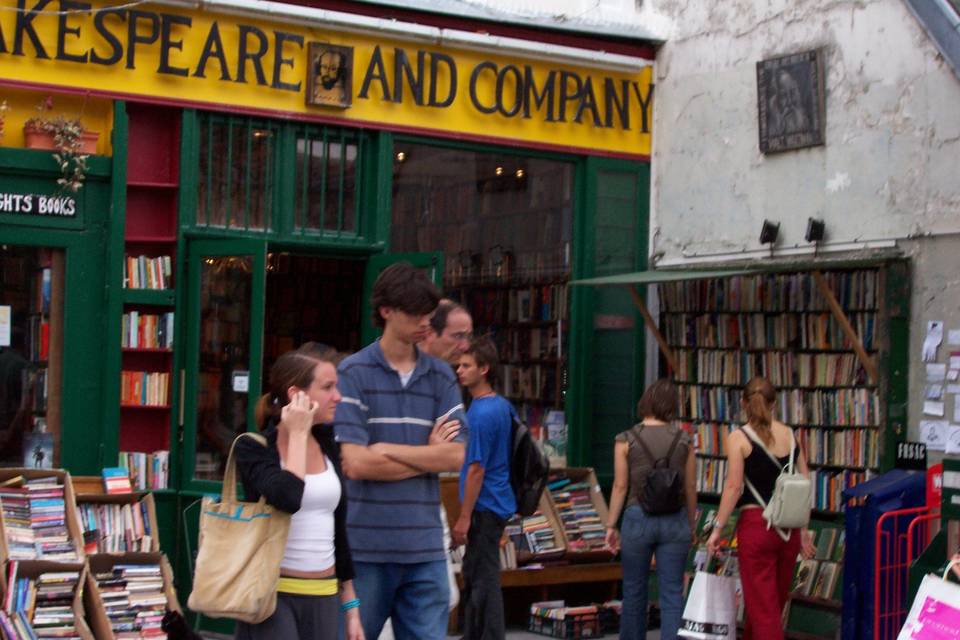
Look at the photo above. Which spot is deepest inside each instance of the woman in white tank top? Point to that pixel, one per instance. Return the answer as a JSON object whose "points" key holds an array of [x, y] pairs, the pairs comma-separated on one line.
{"points": [[299, 472]]}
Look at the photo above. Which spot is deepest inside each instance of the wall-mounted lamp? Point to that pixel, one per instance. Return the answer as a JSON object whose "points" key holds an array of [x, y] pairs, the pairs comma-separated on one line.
{"points": [[769, 233], [815, 230]]}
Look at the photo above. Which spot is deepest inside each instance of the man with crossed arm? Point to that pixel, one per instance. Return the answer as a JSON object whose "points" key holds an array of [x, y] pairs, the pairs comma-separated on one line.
{"points": [[400, 423]]}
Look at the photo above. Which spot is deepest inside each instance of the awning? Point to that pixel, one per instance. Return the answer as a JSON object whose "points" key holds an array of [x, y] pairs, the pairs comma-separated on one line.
{"points": [[630, 280], [654, 276]]}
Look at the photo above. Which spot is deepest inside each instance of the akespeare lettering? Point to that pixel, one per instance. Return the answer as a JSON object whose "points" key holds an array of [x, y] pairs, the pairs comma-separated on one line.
{"points": [[208, 58]]}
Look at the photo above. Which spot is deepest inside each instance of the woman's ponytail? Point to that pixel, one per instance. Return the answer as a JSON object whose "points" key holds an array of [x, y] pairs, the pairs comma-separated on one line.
{"points": [[758, 398]]}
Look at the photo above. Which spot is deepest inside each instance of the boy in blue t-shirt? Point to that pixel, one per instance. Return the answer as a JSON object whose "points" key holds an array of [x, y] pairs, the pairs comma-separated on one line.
{"points": [[486, 498]]}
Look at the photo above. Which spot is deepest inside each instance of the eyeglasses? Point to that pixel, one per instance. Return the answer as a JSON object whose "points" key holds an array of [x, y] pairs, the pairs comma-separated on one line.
{"points": [[462, 335]]}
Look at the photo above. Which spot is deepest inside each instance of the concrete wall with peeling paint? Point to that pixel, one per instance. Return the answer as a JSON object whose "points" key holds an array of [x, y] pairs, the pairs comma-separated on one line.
{"points": [[888, 170]]}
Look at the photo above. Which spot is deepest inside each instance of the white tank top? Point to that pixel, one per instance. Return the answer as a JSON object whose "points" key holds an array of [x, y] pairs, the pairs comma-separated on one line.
{"points": [[310, 542]]}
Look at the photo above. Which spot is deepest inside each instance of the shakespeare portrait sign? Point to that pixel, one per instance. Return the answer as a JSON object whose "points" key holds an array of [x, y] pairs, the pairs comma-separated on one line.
{"points": [[330, 71], [790, 101]]}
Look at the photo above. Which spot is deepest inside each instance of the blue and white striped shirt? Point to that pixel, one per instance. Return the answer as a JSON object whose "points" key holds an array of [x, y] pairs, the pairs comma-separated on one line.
{"points": [[394, 521]]}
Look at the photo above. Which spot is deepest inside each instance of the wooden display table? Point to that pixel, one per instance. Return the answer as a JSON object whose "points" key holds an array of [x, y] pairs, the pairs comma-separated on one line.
{"points": [[563, 574]]}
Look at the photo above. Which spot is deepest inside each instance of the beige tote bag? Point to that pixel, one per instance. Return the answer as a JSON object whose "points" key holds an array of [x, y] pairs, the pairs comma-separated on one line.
{"points": [[241, 546]]}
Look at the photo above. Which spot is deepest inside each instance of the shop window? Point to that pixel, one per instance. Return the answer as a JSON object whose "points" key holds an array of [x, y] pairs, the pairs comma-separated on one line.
{"points": [[31, 345], [236, 172], [504, 225], [326, 180]]}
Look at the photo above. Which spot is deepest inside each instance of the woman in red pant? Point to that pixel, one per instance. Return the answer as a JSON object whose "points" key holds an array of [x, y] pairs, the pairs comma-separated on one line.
{"points": [[766, 556]]}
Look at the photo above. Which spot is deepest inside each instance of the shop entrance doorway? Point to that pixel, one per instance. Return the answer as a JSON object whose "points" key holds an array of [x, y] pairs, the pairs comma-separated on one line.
{"points": [[311, 298]]}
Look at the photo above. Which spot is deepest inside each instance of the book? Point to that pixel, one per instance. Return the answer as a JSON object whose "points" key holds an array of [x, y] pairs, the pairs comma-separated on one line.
{"points": [[826, 541], [116, 480], [38, 450], [826, 581], [805, 576]]}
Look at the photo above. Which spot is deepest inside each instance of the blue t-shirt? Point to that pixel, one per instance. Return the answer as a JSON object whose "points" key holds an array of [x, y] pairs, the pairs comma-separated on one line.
{"points": [[491, 425], [396, 521]]}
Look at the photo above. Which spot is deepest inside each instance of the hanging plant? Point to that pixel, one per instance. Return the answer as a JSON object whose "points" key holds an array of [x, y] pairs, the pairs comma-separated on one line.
{"points": [[67, 138]]}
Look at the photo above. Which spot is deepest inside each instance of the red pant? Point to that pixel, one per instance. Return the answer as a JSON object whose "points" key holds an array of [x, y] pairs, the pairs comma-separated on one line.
{"points": [[766, 571]]}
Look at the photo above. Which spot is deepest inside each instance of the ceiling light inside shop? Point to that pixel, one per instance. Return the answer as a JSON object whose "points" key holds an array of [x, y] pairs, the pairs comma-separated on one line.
{"points": [[499, 171], [401, 156], [520, 173], [261, 133]]}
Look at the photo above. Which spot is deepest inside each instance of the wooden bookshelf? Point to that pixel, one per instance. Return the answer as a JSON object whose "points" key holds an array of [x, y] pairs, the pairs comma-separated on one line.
{"points": [[148, 340], [724, 331]]}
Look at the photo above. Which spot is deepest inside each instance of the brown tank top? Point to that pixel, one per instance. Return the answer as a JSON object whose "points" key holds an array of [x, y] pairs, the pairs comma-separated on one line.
{"points": [[658, 439]]}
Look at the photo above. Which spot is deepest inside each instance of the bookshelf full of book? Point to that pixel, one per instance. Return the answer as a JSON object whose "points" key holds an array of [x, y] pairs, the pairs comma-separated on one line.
{"points": [[724, 331], [148, 320]]}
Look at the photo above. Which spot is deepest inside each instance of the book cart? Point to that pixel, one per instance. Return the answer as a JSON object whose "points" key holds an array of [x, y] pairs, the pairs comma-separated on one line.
{"points": [[821, 337], [59, 579], [556, 553]]}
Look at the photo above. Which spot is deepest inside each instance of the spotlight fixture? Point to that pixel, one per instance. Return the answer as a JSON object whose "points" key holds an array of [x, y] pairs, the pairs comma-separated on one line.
{"points": [[815, 230], [401, 156], [519, 173], [769, 232], [499, 171]]}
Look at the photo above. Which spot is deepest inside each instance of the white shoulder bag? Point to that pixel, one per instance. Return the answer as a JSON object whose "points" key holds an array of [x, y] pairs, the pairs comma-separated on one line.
{"points": [[789, 506]]}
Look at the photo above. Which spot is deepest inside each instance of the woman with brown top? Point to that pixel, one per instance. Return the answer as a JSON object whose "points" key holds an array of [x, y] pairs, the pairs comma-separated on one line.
{"points": [[665, 530], [766, 559]]}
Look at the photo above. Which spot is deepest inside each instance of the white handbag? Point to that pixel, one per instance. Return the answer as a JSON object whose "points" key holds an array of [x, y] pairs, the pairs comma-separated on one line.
{"points": [[789, 506]]}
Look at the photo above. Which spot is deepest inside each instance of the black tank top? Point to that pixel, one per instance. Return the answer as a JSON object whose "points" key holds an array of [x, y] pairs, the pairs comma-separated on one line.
{"points": [[762, 473]]}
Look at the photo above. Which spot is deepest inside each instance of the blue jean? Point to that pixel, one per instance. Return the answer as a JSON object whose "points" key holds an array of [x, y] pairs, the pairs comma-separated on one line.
{"points": [[643, 536], [416, 598]]}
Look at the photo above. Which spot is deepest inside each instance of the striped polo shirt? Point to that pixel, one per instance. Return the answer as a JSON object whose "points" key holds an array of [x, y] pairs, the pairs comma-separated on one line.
{"points": [[394, 521]]}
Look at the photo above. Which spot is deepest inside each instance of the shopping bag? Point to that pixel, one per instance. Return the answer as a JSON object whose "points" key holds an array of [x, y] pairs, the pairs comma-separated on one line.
{"points": [[241, 547], [711, 611], [935, 614]]}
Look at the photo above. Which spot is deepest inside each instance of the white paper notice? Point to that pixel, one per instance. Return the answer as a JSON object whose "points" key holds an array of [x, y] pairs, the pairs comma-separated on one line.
{"points": [[953, 388], [5, 325], [956, 409], [953, 338], [953, 439], [934, 392], [933, 408], [936, 372], [953, 375], [933, 433], [932, 341]]}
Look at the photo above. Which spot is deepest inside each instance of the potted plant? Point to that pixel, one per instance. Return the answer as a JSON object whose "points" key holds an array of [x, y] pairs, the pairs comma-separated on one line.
{"points": [[67, 138]]}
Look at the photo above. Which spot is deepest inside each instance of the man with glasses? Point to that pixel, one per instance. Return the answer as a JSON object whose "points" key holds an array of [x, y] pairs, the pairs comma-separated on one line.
{"points": [[451, 329]]}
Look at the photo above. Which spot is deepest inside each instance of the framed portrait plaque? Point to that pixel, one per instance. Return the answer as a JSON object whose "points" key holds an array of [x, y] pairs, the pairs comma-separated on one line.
{"points": [[790, 101]]}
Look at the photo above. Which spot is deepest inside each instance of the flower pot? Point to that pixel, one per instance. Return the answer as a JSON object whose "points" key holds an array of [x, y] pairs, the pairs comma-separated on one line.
{"points": [[35, 138]]}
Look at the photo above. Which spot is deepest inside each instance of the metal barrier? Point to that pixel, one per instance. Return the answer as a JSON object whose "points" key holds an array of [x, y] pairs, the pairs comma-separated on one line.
{"points": [[901, 536]]}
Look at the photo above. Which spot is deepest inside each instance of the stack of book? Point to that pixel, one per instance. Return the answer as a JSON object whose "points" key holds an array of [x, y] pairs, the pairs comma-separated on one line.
{"points": [[116, 528], [40, 607], [147, 331], [134, 600], [819, 577], [143, 388], [533, 534], [581, 522], [35, 521], [147, 471]]}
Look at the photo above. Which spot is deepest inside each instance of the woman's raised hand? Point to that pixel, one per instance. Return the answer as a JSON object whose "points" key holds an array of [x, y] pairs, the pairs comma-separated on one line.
{"points": [[297, 416]]}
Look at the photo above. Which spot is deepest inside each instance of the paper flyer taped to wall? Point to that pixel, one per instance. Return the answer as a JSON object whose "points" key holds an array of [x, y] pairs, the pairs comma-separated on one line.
{"points": [[933, 433], [932, 340]]}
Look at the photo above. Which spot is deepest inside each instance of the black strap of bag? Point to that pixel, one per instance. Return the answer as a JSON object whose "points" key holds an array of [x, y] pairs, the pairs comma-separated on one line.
{"points": [[668, 457]]}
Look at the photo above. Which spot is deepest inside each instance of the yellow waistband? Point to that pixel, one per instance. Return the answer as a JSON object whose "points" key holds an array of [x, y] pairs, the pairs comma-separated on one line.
{"points": [[308, 586]]}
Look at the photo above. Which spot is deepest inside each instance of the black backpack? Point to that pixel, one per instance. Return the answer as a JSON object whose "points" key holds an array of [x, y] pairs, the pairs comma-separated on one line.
{"points": [[529, 468], [662, 491]]}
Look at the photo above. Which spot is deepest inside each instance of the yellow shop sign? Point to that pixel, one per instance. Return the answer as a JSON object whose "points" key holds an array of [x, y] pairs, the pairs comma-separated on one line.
{"points": [[203, 59]]}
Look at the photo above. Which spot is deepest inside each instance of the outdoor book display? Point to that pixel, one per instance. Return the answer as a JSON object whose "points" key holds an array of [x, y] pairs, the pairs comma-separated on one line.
{"points": [[779, 325], [72, 562]]}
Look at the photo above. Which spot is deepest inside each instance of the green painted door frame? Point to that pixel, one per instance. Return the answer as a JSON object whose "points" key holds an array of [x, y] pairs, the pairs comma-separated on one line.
{"points": [[83, 239], [610, 236], [197, 251]]}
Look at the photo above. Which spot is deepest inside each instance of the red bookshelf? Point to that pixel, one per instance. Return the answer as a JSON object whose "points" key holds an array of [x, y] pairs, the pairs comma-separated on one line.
{"points": [[153, 177]]}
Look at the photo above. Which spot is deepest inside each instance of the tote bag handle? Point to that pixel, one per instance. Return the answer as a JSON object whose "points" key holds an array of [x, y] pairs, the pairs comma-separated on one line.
{"points": [[229, 492]]}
